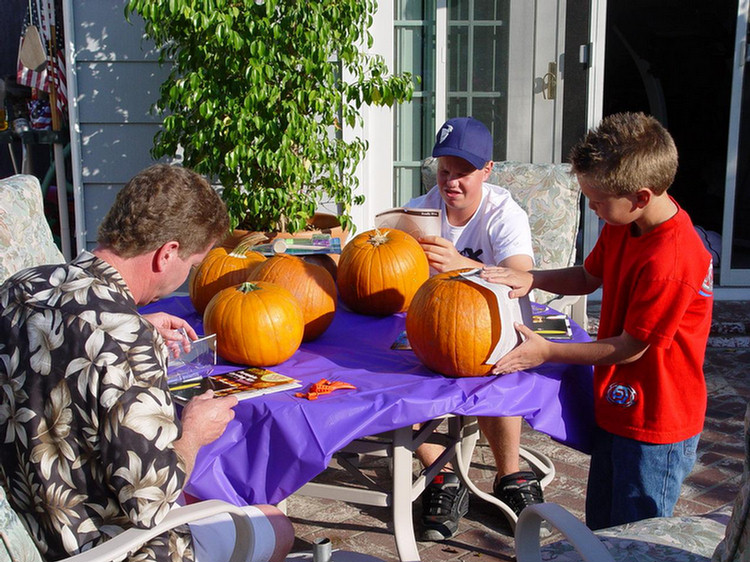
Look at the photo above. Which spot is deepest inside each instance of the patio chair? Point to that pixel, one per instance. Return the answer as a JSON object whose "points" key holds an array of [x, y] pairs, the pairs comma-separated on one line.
{"points": [[16, 544], [550, 195], [25, 237], [664, 539]]}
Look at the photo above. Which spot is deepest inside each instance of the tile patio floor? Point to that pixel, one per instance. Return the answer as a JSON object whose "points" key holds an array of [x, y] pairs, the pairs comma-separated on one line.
{"points": [[485, 536]]}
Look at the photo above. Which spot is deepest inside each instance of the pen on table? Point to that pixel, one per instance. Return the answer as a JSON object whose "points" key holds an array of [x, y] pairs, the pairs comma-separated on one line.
{"points": [[186, 384]]}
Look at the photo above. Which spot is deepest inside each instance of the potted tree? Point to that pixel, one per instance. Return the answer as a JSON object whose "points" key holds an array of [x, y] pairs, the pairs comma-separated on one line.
{"points": [[257, 97]]}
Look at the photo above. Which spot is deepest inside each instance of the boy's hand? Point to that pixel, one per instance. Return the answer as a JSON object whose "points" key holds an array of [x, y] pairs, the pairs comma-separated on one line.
{"points": [[531, 353], [442, 255], [520, 282]]}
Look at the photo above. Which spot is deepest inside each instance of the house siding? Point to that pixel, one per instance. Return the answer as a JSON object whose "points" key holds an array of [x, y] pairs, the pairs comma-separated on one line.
{"points": [[117, 76]]}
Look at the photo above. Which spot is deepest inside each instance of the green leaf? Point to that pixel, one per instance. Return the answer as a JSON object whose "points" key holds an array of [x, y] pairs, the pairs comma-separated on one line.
{"points": [[255, 98]]}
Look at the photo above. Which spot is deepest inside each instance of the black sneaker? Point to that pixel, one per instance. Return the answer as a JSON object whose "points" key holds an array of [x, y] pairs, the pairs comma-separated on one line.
{"points": [[444, 502], [518, 490]]}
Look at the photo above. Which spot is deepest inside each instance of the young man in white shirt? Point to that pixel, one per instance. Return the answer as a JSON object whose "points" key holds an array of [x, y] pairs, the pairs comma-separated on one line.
{"points": [[481, 226]]}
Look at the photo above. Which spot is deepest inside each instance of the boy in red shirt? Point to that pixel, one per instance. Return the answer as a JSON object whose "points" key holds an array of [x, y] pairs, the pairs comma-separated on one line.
{"points": [[656, 279]]}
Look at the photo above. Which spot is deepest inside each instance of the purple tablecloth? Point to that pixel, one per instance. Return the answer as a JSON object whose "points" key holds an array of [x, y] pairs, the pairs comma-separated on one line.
{"points": [[278, 442]]}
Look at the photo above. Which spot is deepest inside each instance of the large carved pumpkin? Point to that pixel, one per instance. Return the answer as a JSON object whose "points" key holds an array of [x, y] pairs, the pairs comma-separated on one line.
{"points": [[257, 324], [311, 284], [453, 325], [222, 268], [380, 270]]}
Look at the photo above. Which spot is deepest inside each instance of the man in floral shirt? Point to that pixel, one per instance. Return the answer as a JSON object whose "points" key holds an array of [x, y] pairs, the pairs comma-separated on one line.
{"points": [[89, 440]]}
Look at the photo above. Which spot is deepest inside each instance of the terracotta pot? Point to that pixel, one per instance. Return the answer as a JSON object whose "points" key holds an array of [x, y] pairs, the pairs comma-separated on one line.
{"points": [[324, 223]]}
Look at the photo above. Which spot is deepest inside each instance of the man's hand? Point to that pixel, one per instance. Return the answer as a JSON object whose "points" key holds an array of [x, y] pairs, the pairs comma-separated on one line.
{"points": [[177, 333], [204, 419], [520, 282], [532, 352], [443, 256]]}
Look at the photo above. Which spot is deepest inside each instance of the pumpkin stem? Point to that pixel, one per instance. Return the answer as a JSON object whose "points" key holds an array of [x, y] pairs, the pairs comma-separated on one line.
{"points": [[248, 287], [246, 243], [379, 238]]}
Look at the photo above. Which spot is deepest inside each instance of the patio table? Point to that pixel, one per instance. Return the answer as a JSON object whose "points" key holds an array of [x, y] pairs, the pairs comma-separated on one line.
{"points": [[278, 442]]}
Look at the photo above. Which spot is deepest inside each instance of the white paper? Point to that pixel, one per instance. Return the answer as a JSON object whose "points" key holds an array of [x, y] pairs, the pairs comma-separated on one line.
{"points": [[416, 222], [510, 310]]}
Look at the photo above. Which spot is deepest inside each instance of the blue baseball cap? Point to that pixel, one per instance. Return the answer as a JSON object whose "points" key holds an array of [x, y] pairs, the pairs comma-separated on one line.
{"points": [[466, 138]]}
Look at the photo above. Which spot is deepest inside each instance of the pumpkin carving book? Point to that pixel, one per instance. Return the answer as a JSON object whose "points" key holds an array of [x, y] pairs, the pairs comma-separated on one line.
{"points": [[511, 311], [243, 383]]}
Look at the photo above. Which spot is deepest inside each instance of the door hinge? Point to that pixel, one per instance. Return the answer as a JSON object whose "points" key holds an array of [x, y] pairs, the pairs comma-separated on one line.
{"points": [[584, 54]]}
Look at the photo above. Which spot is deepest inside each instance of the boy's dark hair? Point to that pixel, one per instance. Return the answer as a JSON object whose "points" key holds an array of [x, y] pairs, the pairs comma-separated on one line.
{"points": [[160, 204], [625, 153]]}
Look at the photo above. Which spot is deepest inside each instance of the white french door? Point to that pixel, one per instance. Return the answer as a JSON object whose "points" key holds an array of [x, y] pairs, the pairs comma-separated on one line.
{"points": [[501, 61], [735, 255]]}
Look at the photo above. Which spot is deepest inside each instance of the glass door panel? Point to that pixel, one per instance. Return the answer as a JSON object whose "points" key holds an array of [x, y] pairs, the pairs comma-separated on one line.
{"points": [[735, 258], [493, 60], [470, 49], [415, 52]]}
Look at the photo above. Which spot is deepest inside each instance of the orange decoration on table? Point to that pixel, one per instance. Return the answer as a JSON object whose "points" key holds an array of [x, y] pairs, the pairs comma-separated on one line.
{"points": [[323, 386]]}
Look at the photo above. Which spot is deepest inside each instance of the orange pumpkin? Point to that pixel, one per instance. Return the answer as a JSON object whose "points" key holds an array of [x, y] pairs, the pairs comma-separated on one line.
{"points": [[324, 260], [221, 268], [311, 284], [256, 324], [453, 325], [380, 270]]}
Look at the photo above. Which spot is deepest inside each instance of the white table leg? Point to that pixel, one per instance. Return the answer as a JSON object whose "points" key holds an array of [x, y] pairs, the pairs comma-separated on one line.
{"points": [[403, 527]]}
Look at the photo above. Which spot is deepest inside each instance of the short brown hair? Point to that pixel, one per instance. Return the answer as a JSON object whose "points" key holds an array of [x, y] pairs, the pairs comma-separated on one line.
{"points": [[160, 204], [625, 153]]}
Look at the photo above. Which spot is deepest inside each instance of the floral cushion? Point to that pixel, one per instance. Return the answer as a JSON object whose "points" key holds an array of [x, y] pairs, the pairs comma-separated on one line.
{"points": [[550, 195], [25, 236], [663, 539], [15, 542], [735, 546]]}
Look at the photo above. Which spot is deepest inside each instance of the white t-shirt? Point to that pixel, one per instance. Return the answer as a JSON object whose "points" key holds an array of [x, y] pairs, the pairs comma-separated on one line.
{"points": [[499, 228]]}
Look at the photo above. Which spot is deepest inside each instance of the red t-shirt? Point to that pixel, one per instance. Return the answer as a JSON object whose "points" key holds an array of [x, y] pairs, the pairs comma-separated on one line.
{"points": [[658, 287]]}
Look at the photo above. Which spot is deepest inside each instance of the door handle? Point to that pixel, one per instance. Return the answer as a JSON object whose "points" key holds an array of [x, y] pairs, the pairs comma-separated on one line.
{"points": [[549, 82]]}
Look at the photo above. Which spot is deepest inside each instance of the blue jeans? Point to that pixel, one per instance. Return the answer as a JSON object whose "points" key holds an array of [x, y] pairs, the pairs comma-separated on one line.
{"points": [[631, 480]]}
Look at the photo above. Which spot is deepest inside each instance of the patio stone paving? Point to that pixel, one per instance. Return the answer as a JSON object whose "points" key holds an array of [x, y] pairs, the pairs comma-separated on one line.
{"points": [[485, 535]]}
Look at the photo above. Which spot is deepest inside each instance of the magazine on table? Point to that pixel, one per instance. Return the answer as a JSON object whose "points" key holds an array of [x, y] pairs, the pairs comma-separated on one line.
{"points": [[552, 326], [417, 222], [401, 342], [242, 383]]}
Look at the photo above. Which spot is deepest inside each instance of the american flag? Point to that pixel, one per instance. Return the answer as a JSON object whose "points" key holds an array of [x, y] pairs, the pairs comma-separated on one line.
{"points": [[54, 70]]}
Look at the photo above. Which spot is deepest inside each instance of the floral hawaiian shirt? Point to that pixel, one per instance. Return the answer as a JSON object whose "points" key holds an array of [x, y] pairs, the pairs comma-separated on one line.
{"points": [[87, 424]]}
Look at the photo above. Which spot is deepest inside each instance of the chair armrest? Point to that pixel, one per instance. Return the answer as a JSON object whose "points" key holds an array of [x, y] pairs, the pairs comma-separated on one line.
{"points": [[529, 523], [577, 304], [131, 540]]}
